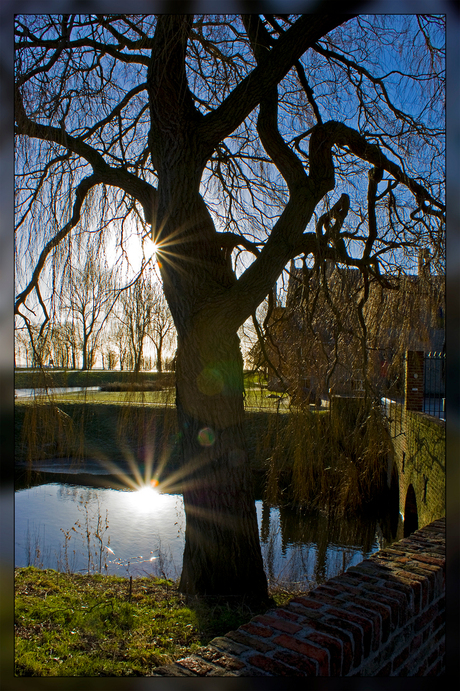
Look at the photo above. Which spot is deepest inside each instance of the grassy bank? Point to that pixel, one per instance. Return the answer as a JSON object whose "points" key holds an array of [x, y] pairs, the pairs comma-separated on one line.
{"points": [[116, 425], [303, 457], [97, 625], [31, 378]]}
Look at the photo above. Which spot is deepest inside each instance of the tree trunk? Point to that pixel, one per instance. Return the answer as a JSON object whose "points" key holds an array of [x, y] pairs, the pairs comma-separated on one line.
{"points": [[222, 554], [84, 365], [159, 349], [138, 358]]}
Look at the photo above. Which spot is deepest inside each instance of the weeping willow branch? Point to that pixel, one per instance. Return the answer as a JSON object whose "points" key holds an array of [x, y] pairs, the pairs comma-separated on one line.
{"points": [[80, 196]]}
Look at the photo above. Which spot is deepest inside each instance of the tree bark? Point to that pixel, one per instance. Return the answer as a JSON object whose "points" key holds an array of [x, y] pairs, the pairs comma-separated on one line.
{"points": [[159, 349], [222, 554]]}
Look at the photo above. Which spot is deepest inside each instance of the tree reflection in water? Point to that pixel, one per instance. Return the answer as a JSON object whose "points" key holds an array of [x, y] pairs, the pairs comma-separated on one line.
{"points": [[300, 549], [305, 549]]}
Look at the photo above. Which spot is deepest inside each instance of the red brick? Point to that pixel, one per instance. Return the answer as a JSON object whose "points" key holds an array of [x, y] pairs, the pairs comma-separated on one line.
{"points": [[430, 571], [332, 590], [437, 634], [305, 665], [173, 670], [273, 667], [371, 603], [346, 640], [278, 623], [367, 571], [334, 647], [434, 561], [416, 643], [425, 586], [364, 624], [356, 635], [304, 648], [442, 648], [415, 586], [427, 580], [385, 671], [401, 657], [255, 630], [436, 670], [396, 553], [395, 603], [195, 665], [433, 657], [307, 602], [281, 612], [373, 626], [438, 624], [393, 585], [250, 641], [422, 669], [226, 645], [218, 658], [426, 617], [346, 586], [323, 598]]}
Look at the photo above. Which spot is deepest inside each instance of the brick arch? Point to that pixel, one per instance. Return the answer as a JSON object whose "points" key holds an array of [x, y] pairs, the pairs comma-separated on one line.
{"points": [[394, 501], [410, 512]]}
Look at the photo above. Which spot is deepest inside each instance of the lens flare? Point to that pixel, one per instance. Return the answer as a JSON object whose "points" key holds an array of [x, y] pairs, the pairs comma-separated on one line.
{"points": [[210, 381], [206, 437]]}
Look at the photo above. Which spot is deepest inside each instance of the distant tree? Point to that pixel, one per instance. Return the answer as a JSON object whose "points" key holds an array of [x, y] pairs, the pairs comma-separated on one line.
{"points": [[35, 339], [88, 296], [23, 345], [116, 338], [161, 330], [136, 308], [241, 142], [109, 359], [69, 334]]}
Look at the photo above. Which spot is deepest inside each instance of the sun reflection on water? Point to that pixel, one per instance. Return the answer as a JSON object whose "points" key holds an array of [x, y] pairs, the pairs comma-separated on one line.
{"points": [[146, 495]]}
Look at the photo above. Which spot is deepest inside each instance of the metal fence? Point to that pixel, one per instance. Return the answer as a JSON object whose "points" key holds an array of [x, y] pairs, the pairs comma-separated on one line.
{"points": [[434, 384]]}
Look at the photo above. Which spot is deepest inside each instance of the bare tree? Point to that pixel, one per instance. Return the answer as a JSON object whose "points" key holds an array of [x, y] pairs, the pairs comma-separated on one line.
{"points": [[241, 142], [23, 345], [89, 295], [161, 330], [137, 304]]}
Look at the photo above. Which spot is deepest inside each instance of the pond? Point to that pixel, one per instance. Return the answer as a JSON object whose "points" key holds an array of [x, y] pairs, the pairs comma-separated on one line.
{"points": [[70, 526], [29, 393]]}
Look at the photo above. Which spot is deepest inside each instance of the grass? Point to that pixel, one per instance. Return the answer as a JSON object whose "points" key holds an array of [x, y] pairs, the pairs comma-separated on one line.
{"points": [[103, 424], [29, 378], [304, 457], [70, 624], [92, 625]]}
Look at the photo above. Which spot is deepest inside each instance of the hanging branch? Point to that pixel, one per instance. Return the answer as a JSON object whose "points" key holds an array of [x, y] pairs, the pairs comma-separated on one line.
{"points": [[80, 196]]}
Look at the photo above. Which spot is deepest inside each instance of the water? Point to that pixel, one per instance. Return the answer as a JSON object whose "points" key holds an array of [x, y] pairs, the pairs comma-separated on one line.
{"points": [[143, 534], [29, 393]]}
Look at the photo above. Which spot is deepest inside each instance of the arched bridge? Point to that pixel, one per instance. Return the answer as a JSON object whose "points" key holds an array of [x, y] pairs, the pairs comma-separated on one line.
{"points": [[416, 469]]}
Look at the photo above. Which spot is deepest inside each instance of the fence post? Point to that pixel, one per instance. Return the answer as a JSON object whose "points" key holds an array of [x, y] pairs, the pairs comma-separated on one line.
{"points": [[413, 387]]}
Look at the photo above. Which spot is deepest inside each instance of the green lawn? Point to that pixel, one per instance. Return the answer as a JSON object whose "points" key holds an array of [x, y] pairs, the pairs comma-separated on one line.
{"points": [[93, 625]]}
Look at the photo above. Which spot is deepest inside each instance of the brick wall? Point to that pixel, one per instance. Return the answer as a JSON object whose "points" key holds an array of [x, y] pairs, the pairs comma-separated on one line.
{"points": [[419, 455], [383, 617], [414, 380]]}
